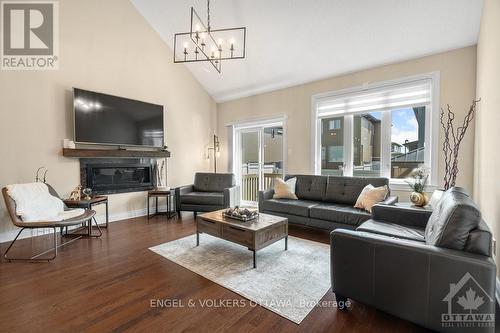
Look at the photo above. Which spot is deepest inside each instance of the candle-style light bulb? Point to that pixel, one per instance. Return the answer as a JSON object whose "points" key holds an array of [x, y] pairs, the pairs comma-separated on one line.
{"points": [[185, 50], [203, 36], [232, 47], [220, 45]]}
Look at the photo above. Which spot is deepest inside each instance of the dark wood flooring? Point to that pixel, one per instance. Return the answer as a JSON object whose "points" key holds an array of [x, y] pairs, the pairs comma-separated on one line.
{"points": [[106, 284]]}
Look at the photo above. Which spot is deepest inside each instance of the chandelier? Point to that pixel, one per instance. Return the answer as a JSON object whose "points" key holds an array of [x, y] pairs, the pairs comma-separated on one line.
{"points": [[202, 43]]}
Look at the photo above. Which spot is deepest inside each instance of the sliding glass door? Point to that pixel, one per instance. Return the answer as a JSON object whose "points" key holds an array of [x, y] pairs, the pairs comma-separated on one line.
{"points": [[258, 158], [250, 169]]}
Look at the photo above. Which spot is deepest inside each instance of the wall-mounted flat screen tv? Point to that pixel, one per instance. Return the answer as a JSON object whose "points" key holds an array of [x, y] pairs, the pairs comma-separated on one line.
{"points": [[111, 120]]}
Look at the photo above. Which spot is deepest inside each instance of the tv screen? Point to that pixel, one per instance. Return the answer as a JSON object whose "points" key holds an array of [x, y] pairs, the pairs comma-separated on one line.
{"points": [[112, 120]]}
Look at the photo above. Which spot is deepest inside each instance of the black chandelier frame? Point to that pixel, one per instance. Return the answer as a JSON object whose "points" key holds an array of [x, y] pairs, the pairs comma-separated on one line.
{"points": [[200, 51]]}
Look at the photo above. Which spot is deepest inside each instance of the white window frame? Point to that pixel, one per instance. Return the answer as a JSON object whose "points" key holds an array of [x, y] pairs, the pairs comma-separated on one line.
{"points": [[431, 157], [256, 125]]}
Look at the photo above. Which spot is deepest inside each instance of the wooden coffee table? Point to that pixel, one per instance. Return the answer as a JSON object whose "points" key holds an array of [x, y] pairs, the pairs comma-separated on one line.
{"points": [[255, 235]]}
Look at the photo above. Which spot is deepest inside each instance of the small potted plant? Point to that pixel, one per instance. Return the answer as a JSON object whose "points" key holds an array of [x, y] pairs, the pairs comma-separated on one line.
{"points": [[417, 182]]}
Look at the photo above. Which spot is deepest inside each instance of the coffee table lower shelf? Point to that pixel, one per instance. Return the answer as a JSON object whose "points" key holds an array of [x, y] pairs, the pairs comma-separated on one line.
{"points": [[255, 235]]}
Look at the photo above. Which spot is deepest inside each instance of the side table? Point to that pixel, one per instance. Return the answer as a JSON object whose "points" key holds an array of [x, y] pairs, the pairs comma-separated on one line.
{"points": [[426, 210], [168, 194], [409, 205], [88, 204]]}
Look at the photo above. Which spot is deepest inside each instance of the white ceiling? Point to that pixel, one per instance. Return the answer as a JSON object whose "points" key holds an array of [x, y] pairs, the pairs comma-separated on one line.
{"points": [[290, 42]]}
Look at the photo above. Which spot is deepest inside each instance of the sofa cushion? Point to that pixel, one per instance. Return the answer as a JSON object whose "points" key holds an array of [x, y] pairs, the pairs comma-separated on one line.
{"points": [[203, 198], [392, 230], [213, 182], [310, 187], [289, 206], [370, 196], [480, 240], [346, 190], [285, 189], [452, 220], [339, 213]]}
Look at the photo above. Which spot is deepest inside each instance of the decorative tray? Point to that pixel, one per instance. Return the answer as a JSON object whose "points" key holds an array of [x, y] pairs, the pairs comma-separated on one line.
{"points": [[240, 214]]}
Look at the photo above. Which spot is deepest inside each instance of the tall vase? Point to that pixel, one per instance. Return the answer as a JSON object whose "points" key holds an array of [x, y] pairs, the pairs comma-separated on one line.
{"points": [[436, 197], [419, 199]]}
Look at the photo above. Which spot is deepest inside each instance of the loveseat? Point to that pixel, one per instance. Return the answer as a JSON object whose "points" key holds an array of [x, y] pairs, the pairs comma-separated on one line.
{"points": [[434, 269], [325, 202]]}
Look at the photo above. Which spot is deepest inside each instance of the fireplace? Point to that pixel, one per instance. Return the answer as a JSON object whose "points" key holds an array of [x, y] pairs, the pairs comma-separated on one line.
{"points": [[108, 176]]}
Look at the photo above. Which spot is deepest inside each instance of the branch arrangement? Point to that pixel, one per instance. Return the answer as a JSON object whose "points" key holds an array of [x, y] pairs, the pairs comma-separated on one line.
{"points": [[158, 170], [453, 137]]}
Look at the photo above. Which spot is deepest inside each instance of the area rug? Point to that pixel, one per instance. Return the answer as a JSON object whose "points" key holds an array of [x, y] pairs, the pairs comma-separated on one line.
{"points": [[289, 283]]}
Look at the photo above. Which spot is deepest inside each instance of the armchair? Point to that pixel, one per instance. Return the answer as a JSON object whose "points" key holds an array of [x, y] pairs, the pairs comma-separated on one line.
{"points": [[417, 265], [210, 191], [86, 217]]}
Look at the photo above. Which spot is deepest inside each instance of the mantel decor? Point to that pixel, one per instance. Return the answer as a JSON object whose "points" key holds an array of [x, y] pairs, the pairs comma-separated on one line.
{"points": [[202, 43], [453, 137], [110, 153]]}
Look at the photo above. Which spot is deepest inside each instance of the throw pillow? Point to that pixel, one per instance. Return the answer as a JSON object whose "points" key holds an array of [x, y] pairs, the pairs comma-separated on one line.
{"points": [[371, 195], [285, 190]]}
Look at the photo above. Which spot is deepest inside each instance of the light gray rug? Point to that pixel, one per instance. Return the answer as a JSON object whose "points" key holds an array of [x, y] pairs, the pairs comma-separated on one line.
{"points": [[290, 283]]}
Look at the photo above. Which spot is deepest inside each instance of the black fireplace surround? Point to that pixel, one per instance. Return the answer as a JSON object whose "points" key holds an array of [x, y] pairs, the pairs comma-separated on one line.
{"points": [[114, 175]]}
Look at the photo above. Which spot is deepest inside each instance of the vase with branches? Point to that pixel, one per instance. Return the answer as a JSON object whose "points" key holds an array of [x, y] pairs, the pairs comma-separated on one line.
{"points": [[158, 169], [453, 137]]}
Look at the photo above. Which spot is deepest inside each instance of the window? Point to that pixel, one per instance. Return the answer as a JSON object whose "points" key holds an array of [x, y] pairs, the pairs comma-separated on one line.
{"points": [[366, 144], [408, 134], [379, 130], [334, 124], [332, 146]]}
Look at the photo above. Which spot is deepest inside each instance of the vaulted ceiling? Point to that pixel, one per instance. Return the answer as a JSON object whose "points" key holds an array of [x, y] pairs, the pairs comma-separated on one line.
{"points": [[290, 42]]}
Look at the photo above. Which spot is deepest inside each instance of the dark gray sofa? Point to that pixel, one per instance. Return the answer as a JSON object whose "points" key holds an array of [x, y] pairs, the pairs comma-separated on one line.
{"points": [[210, 191], [417, 265], [325, 202]]}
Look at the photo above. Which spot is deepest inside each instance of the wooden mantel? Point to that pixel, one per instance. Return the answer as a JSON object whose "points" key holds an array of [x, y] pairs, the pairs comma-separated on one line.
{"points": [[110, 153]]}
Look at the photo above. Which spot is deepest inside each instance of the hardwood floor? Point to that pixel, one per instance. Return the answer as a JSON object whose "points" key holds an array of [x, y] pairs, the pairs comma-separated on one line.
{"points": [[107, 284]]}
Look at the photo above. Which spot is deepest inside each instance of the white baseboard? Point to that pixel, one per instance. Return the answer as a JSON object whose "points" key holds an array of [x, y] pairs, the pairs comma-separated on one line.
{"points": [[8, 236]]}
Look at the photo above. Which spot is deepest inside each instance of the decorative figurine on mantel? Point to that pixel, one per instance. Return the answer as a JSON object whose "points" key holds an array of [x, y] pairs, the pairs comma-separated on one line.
{"points": [[76, 193]]}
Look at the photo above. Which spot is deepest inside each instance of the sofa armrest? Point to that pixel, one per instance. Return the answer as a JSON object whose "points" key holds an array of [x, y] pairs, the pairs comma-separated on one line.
{"points": [[180, 191], [184, 189], [408, 216], [391, 200], [406, 278], [232, 196], [265, 195]]}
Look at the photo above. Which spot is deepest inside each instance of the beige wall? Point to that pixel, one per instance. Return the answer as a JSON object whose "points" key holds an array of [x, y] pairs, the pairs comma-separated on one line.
{"points": [[105, 46], [487, 158], [458, 88]]}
